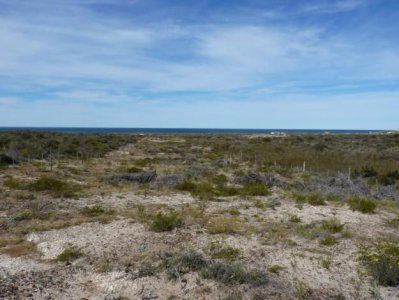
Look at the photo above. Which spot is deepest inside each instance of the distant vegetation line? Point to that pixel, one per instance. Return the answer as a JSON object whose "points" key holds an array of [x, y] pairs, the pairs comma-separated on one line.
{"points": [[318, 152]]}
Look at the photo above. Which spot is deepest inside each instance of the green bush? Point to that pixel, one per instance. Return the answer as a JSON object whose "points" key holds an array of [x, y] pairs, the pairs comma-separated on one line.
{"points": [[186, 185], [57, 187], [95, 211], [229, 273], [275, 269], [166, 222], [220, 250], [393, 223], [233, 274], [299, 197], [316, 199], [181, 263], [294, 219], [323, 231], [32, 215], [230, 225], [332, 225], [200, 190], [329, 240], [312, 199], [382, 261], [70, 253], [220, 179], [368, 172], [134, 170], [227, 191], [363, 205], [333, 198], [254, 189], [15, 184], [204, 191], [259, 204], [47, 184]]}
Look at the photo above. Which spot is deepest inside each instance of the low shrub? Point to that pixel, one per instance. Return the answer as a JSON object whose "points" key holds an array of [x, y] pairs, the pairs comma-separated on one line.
{"points": [[186, 185], [363, 205], [201, 190], [47, 184], [233, 274], [368, 172], [294, 219], [329, 240], [14, 184], [166, 222], [382, 261], [254, 189], [32, 215], [316, 199], [326, 263], [96, 210], [68, 254], [275, 269], [227, 191], [57, 187], [312, 199], [393, 223], [204, 191], [177, 264], [333, 198], [21, 248], [332, 225], [328, 231], [133, 170], [103, 266], [259, 204], [139, 177], [220, 179], [227, 225], [234, 212], [299, 197], [220, 250], [389, 178]]}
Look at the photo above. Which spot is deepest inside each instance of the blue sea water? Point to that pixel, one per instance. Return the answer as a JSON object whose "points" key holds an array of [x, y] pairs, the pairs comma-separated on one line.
{"points": [[183, 130]]}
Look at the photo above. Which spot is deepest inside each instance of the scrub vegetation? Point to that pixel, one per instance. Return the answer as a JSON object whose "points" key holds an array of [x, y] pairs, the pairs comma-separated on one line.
{"points": [[199, 216]]}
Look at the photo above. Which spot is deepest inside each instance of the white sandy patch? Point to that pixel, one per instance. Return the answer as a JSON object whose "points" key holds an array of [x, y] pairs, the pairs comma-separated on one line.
{"points": [[93, 238]]}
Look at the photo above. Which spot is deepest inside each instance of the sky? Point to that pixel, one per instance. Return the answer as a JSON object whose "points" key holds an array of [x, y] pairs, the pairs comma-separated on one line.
{"points": [[288, 64]]}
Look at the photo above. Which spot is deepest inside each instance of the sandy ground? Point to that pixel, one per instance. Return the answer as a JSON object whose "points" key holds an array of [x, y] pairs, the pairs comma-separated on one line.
{"points": [[43, 278]]}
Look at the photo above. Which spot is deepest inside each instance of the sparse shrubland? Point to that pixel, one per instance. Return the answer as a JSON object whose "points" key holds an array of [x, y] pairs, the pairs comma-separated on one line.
{"points": [[210, 216]]}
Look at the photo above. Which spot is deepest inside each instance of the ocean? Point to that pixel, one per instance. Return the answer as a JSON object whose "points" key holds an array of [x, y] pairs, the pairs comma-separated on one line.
{"points": [[185, 130]]}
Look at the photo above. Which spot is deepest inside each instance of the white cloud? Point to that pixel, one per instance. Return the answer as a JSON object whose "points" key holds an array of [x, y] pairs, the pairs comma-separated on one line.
{"points": [[77, 59], [73, 49], [332, 6]]}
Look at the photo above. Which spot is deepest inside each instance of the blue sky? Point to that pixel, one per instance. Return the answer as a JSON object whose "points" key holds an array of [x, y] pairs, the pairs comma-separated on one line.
{"points": [[206, 64]]}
